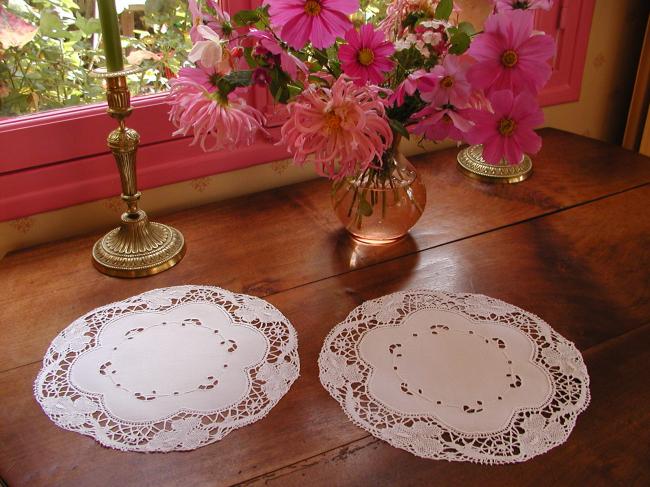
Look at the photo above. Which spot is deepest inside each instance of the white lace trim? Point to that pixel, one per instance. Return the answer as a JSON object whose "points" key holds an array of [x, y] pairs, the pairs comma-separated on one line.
{"points": [[99, 351], [412, 421]]}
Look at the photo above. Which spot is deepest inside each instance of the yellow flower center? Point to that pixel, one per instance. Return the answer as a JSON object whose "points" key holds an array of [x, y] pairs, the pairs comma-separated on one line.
{"points": [[365, 56], [509, 58], [507, 126], [447, 82], [332, 121], [312, 8]]}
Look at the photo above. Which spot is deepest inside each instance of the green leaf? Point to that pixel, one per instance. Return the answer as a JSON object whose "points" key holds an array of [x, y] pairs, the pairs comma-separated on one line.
{"points": [[399, 128], [248, 55], [467, 28], [294, 89], [87, 26], [246, 17], [51, 25], [239, 78], [459, 43], [153, 7], [364, 207], [317, 80], [444, 9]]}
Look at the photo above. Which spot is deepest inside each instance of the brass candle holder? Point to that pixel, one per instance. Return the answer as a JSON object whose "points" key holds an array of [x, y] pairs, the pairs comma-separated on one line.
{"points": [[472, 164], [137, 247]]}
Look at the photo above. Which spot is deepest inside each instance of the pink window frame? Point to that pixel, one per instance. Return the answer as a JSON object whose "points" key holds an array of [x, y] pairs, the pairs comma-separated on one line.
{"points": [[57, 159]]}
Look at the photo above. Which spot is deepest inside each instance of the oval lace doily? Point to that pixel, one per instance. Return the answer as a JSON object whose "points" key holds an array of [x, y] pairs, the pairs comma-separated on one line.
{"points": [[171, 369], [461, 377]]}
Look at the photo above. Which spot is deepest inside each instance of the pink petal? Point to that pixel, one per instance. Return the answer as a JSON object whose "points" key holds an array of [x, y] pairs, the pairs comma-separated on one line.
{"points": [[529, 141], [297, 30], [493, 149], [536, 74], [518, 25], [526, 111], [486, 47], [367, 34], [483, 74], [282, 15], [502, 103], [347, 54], [538, 47], [352, 36], [384, 49], [513, 152], [345, 6], [332, 24], [383, 64]]}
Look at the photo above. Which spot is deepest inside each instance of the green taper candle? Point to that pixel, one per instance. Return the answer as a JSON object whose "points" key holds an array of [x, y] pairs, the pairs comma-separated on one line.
{"points": [[110, 35]]}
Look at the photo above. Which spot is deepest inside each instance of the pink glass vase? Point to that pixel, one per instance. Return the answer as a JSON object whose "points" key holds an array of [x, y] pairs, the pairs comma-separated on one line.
{"points": [[380, 206]]}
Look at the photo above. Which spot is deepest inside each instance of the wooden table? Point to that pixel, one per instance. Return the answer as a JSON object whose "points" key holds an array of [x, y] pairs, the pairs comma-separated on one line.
{"points": [[571, 245]]}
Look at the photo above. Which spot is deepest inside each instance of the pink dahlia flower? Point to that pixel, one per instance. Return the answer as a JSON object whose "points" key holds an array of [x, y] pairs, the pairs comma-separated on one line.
{"points": [[290, 64], [446, 83], [217, 122], [507, 132], [317, 21], [366, 56], [509, 56], [206, 77], [502, 5], [437, 123], [343, 129]]}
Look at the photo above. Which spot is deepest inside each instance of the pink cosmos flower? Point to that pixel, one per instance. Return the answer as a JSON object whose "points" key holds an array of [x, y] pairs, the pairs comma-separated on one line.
{"points": [[406, 87], [217, 122], [317, 21], [343, 129], [289, 63], [507, 132], [446, 83], [366, 55], [509, 56], [437, 123], [220, 22], [502, 5]]}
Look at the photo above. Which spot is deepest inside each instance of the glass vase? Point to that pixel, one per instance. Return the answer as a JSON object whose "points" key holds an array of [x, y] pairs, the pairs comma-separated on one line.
{"points": [[380, 206]]}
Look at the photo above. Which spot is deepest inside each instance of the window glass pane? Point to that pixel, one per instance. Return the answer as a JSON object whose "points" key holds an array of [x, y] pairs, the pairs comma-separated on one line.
{"points": [[48, 48]]}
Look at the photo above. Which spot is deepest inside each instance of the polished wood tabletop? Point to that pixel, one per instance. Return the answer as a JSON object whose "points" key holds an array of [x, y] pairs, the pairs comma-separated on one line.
{"points": [[571, 244]]}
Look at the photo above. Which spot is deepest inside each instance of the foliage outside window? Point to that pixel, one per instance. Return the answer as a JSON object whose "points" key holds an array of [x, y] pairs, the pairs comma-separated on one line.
{"points": [[49, 47]]}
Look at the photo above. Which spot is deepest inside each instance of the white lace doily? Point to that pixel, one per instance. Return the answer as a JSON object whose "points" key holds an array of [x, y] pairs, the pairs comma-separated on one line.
{"points": [[170, 369], [457, 377]]}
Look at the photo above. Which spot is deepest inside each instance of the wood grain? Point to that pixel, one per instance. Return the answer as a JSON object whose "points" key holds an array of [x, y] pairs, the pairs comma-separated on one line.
{"points": [[584, 270], [281, 239]]}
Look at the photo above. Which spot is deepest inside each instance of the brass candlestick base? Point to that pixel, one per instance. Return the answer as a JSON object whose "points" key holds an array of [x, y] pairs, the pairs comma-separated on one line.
{"points": [[137, 247], [472, 164]]}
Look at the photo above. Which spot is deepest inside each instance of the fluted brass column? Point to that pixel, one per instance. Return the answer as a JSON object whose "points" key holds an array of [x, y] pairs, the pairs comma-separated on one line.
{"points": [[137, 247]]}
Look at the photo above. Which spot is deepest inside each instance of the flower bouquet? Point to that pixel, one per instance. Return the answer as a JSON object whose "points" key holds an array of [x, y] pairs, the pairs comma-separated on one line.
{"points": [[356, 76]]}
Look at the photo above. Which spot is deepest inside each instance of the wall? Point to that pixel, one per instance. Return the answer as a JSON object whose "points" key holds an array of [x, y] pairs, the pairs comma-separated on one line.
{"points": [[614, 46], [615, 43]]}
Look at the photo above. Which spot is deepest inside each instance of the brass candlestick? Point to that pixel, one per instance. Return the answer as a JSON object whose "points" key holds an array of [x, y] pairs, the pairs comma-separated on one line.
{"points": [[137, 247], [472, 164]]}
